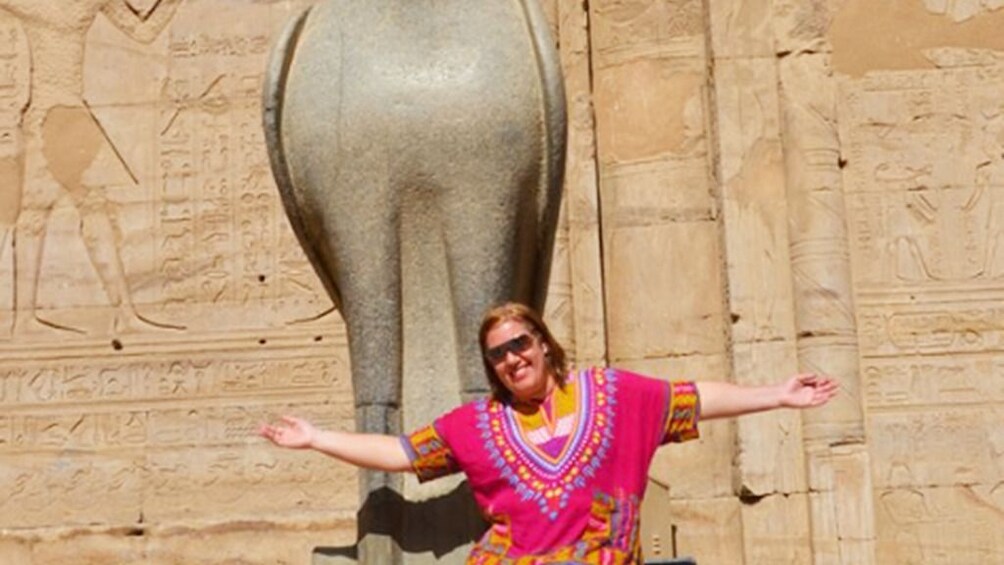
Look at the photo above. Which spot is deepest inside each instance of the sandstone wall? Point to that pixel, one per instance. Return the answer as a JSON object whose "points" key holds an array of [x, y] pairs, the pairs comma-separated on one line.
{"points": [[754, 188]]}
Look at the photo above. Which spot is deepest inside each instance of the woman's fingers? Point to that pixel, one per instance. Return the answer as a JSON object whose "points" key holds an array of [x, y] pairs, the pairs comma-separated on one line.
{"points": [[290, 420], [280, 434], [267, 431], [825, 389], [812, 389]]}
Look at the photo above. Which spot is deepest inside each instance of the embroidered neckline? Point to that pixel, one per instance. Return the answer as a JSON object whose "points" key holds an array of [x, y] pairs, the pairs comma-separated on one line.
{"points": [[533, 431], [536, 476]]}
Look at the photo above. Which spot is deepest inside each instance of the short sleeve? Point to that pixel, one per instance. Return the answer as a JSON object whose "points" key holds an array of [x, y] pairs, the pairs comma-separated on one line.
{"points": [[683, 412], [429, 454]]}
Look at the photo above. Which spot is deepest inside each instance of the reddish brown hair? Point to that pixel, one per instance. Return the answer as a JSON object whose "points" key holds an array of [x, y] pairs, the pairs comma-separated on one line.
{"points": [[529, 317]]}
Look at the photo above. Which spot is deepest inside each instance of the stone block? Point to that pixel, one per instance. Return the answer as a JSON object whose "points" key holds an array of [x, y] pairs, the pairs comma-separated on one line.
{"points": [[624, 31], [769, 457], [860, 34], [799, 26], [922, 447], [648, 108], [15, 551], [49, 490], [841, 504], [776, 529], [754, 196], [741, 30], [92, 548], [708, 529], [656, 191], [951, 524], [656, 306]]}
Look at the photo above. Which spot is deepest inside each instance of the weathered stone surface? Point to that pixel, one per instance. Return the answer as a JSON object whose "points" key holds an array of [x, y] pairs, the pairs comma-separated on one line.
{"points": [[776, 529], [741, 30], [840, 495], [708, 529], [142, 345], [672, 317], [200, 544], [587, 319], [955, 524], [903, 34], [751, 165], [15, 552], [755, 189], [769, 448]]}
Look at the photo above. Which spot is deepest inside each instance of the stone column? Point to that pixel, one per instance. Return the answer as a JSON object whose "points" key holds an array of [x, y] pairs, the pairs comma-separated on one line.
{"points": [[662, 260], [839, 472], [769, 476], [580, 225]]}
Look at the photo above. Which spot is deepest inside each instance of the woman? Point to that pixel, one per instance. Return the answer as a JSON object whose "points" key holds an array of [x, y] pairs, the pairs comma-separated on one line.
{"points": [[557, 460]]}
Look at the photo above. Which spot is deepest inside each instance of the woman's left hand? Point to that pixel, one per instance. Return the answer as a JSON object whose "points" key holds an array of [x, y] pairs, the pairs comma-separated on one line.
{"points": [[807, 390]]}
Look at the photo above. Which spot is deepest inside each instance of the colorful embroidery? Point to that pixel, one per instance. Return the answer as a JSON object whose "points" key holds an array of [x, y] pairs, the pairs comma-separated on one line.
{"points": [[430, 456], [611, 538], [683, 412], [548, 430], [540, 478], [541, 465], [495, 542]]}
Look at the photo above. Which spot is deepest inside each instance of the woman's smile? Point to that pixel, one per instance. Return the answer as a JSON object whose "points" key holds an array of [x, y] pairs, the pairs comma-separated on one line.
{"points": [[519, 358]]}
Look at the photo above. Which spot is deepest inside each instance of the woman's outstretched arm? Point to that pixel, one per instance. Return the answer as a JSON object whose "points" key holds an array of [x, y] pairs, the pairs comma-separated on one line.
{"points": [[371, 451], [722, 400]]}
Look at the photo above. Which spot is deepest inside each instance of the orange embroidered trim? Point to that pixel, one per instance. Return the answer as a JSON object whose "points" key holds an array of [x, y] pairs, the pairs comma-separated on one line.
{"points": [[684, 411], [429, 454]]}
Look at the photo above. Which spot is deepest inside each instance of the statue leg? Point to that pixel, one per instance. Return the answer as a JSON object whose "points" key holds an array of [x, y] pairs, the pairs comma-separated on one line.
{"points": [[491, 253], [363, 256]]}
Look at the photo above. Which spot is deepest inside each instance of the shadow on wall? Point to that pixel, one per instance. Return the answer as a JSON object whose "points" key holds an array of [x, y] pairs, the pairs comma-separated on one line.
{"points": [[434, 526], [438, 525]]}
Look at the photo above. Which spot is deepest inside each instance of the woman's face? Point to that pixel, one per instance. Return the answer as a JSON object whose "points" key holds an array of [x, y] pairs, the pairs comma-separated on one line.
{"points": [[519, 358]]}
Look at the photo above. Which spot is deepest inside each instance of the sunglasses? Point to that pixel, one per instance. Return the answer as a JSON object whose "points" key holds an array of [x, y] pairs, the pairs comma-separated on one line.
{"points": [[517, 345]]}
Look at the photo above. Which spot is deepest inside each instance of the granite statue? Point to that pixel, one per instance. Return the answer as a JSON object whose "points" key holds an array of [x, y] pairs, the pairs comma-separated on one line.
{"points": [[413, 142]]}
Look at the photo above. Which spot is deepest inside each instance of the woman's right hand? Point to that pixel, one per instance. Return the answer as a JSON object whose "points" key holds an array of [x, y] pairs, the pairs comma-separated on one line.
{"points": [[294, 433]]}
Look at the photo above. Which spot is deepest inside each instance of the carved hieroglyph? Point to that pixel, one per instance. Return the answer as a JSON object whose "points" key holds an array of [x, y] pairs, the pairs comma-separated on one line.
{"points": [[152, 293], [771, 182], [924, 151], [922, 138]]}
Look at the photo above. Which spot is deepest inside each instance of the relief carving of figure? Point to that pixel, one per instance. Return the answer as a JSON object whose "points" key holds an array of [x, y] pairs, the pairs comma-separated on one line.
{"points": [[62, 140], [949, 229]]}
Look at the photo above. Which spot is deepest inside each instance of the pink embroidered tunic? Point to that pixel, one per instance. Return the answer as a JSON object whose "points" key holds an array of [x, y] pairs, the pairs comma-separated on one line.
{"points": [[565, 482]]}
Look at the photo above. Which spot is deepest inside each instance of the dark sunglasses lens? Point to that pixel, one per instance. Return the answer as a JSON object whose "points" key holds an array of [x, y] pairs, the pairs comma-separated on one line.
{"points": [[517, 344], [496, 354]]}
